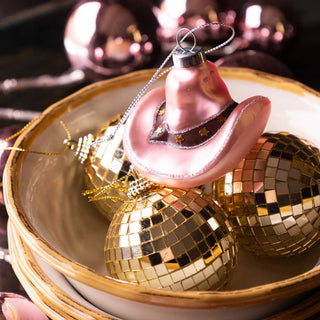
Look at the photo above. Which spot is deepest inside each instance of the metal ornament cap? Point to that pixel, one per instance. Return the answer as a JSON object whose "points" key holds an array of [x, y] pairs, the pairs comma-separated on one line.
{"points": [[188, 57]]}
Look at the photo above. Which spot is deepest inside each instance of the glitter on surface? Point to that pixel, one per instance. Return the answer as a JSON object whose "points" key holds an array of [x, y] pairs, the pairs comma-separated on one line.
{"points": [[184, 243], [274, 209]]}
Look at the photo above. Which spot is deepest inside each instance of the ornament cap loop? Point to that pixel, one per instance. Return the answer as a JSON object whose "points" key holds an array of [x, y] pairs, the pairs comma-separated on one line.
{"points": [[179, 41]]}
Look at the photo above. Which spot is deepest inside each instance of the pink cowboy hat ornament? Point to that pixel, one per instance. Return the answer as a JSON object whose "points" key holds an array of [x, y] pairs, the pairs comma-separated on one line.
{"points": [[191, 131]]}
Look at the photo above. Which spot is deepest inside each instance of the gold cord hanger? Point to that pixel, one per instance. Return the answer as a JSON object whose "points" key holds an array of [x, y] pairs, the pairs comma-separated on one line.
{"points": [[67, 145]]}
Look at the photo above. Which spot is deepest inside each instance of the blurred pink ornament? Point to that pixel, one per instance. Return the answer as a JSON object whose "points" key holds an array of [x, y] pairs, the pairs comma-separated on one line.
{"points": [[16, 307], [174, 15], [266, 25], [255, 60], [106, 38]]}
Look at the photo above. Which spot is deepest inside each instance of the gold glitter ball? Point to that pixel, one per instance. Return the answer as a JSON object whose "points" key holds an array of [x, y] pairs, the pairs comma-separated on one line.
{"points": [[171, 239], [272, 196], [106, 164]]}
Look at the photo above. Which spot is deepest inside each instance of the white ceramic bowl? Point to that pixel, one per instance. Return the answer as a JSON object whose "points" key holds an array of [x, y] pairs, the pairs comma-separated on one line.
{"points": [[50, 290], [45, 206]]}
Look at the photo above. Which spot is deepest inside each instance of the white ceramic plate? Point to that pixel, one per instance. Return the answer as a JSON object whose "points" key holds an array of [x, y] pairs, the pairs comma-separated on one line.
{"points": [[49, 289], [46, 286]]}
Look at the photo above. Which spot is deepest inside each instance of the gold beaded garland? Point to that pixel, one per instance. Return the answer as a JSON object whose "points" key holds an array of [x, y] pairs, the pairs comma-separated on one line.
{"points": [[173, 239], [108, 165], [272, 196]]}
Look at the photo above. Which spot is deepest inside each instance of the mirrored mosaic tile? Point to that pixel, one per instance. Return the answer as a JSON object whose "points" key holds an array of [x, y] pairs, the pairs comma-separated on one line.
{"points": [[106, 164], [191, 248], [280, 214]]}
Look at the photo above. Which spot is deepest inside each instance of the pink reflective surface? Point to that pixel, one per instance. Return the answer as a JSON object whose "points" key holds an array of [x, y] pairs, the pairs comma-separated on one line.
{"points": [[191, 98], [106, 38]]}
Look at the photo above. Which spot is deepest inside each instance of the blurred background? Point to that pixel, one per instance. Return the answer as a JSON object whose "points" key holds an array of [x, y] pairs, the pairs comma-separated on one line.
{"points": [[75, 43], [33, 34]]}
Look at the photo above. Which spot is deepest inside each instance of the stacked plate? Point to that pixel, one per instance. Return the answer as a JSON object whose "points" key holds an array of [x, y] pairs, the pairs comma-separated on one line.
{"points": [[56, 237], [48, 288]]}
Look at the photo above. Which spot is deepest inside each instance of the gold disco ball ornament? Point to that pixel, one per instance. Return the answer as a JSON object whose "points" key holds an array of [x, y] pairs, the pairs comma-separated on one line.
{"points": [[272, 196], [105, 165], [171, 239]]}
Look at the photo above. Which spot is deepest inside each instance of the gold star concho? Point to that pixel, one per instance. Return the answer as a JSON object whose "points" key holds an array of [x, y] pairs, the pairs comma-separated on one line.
{"points": [[203, 132], [161, 112], [179, 139], [221, 119], [159, 130]]}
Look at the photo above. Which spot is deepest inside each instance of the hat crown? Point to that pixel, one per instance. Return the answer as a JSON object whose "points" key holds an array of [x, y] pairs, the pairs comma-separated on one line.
{"points": [[193, 95]]}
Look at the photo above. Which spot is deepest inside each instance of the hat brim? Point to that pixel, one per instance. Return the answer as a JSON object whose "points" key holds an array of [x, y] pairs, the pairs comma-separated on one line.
{"points": [[185, 168]]}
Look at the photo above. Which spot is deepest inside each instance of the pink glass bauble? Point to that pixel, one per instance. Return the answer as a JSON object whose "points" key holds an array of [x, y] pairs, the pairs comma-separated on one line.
{"points": [[16, 307], [255, 60], [174, 15], [107, 38], [266, 25]]}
